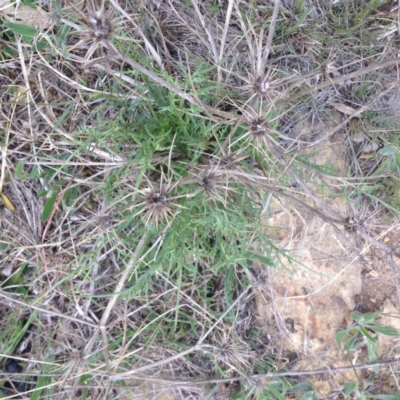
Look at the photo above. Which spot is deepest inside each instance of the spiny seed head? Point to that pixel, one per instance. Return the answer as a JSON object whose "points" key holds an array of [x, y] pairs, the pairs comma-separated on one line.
{"points": [[101, 26], [158, 200], [157, 205], [261, 85], [208, 182], [259, 127], [228, 162], [233, 353]]}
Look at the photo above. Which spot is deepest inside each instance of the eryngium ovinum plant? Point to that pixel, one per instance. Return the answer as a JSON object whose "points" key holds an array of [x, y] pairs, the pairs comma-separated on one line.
{"points": [[204, 155]]}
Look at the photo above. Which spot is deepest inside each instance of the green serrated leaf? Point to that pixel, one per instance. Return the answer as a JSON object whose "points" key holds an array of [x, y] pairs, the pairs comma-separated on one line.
{"points": [[21, 29], [48, 207]]}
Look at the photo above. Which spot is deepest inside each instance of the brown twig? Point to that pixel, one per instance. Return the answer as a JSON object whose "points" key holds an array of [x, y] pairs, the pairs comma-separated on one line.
{"points": [[270, 375], [45, 311]]}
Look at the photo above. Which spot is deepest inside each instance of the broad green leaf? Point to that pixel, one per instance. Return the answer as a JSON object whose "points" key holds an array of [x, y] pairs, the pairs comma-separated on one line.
{"points": [[309, 396], [371, 317], [388, 151], [350, 344], [48, 207], [357, 316], [349, 388], [21, 29], [8, 51], [302, 386], [19, 170], [339, 337]]}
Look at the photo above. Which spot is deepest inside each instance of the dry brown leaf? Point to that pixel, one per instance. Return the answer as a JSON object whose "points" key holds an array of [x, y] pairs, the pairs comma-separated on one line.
{"points": [[374, 273], [345, 109], [7, 202]]}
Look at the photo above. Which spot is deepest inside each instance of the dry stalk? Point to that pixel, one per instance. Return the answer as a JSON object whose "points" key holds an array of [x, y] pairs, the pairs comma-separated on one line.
{"points": [[339, 79], [193, 349], [103, 322]]}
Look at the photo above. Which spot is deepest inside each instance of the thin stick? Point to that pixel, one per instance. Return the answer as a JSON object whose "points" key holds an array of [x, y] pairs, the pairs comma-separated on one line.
{"points": [[272, 374], [44, 311], [339, 79], [226, 27], [271, 32]]}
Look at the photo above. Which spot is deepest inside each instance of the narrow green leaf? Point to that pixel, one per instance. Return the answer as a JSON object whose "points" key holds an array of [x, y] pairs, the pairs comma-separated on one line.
{"points": [[385, 330], [155, 94], [371, 317], [298, 23], [262, 259], [64, 117], [339, 337], [42, 381], [372, 352], [48, 207], [21, 29], [393, 396], [367, 335], [302, 386]]}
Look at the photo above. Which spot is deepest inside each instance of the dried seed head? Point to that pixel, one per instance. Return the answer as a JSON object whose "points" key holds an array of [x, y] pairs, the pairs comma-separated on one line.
{"points": [[231, 353], [101, 26], [259, 127], [228, 162], [209, 182], [261, 85], [157, 207]]}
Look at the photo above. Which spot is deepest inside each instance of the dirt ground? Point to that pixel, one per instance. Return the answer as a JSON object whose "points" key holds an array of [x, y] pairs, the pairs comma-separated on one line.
{"points": [[302, 308]]}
